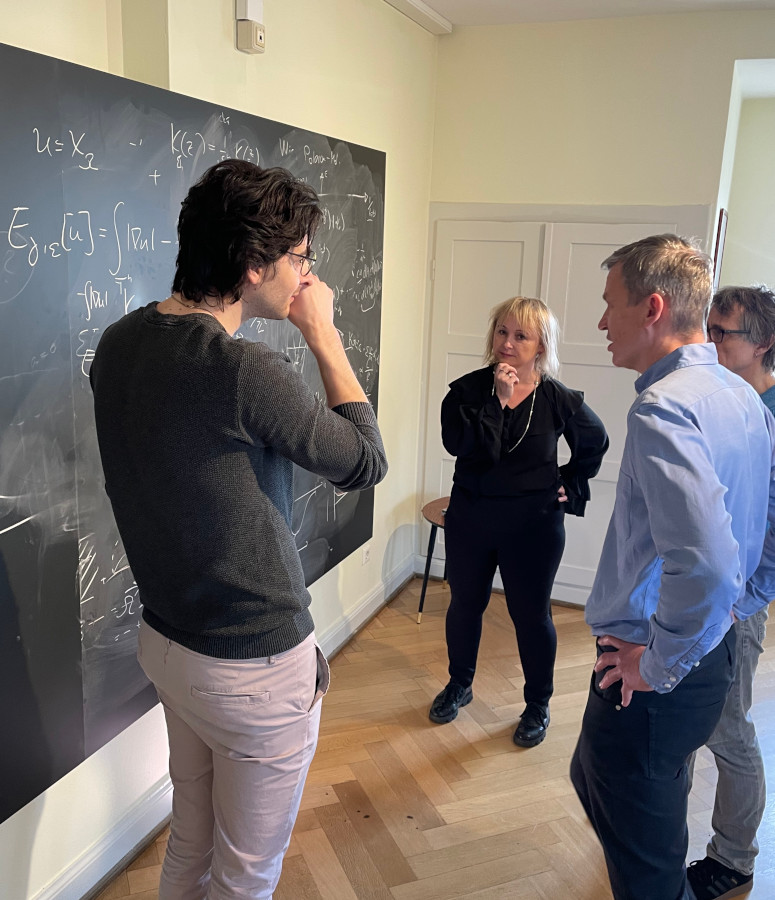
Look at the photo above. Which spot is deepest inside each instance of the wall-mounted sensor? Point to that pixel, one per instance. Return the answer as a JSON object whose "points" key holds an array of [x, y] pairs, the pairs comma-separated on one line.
{"points": [[250, 36]]}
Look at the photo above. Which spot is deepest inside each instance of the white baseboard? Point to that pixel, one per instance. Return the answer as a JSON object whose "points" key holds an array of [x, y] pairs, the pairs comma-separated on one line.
{"points": [[437, 566], [569, 594], [89, 872], [340, 633], [437, 570]]}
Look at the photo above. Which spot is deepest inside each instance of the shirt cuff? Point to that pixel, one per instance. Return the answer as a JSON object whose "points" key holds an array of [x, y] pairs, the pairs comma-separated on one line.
{"points": [[359, 413], [662, 680], [663, 677]]}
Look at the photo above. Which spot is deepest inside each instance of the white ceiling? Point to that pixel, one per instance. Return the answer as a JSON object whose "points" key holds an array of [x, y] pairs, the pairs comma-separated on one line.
{"points": [[501, 12]]}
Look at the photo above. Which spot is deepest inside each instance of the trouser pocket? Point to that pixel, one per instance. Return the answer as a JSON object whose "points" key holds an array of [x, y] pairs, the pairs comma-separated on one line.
{"points": [[323, 679]]}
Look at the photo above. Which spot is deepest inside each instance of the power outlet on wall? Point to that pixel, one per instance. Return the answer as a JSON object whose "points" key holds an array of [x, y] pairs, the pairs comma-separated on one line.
{"points": [[365, 555]]}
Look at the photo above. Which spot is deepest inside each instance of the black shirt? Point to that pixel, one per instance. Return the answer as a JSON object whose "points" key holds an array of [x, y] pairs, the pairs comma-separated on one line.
{"points": [[491, 459]]}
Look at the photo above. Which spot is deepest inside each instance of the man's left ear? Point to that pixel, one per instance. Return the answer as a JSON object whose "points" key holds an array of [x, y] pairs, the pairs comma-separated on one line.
{"points": [[656, 309], [254, 276]]}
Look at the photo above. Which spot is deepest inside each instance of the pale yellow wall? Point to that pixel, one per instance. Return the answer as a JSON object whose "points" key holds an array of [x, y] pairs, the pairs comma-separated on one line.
{"points": [[620, 111], [74, 30], [749, 253], [354, 69]]}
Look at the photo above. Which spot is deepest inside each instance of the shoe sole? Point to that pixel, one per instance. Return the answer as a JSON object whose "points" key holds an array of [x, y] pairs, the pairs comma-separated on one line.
{"points": [[739, 891], [442, 720], [533, 742], [734, 892], [523, 743]]}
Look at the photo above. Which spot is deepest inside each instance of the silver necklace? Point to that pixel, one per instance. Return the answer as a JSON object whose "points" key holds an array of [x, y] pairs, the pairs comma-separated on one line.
{"points": [[529, 418]]}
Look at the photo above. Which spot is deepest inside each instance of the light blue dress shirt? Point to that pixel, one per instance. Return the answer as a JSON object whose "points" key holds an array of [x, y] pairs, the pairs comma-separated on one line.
{"points": [[688, 541]]}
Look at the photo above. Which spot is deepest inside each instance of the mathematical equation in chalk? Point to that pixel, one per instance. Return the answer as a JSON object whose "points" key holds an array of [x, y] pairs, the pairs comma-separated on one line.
{"points": [[75, 148], [78, 232], [94, 574], [119, 232], [185, 145]]}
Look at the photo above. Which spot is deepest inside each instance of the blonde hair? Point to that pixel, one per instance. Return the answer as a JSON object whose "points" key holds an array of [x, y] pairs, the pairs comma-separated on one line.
{"points": [[532, 315]]}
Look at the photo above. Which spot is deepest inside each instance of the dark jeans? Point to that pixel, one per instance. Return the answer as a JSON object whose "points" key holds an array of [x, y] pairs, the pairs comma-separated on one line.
{"points": [[629, 770], [525, 537]]}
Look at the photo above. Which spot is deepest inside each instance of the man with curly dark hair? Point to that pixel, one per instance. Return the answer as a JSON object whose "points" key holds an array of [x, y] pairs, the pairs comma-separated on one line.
{"points": [[198, 433]]}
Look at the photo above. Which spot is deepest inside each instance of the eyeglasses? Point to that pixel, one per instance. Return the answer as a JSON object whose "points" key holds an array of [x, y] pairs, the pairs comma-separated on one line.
{"points": [[304, 264], [717, 334]]}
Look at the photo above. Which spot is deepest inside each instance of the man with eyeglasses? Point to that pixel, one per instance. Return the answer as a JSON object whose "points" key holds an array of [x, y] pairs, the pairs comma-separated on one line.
{"points": [[741, 323], [198, 433], [687, 550]]}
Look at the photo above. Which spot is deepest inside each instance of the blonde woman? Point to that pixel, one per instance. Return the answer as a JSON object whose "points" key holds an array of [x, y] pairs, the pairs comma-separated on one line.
{"points": [[509, 500]]}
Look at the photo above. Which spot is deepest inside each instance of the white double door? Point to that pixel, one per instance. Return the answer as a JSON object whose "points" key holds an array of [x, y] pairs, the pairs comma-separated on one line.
{"points": [[476, 265]]}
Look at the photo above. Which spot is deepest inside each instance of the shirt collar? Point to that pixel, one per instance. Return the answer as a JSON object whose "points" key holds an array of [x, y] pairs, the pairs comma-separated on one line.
{"points": [[689, 355]]}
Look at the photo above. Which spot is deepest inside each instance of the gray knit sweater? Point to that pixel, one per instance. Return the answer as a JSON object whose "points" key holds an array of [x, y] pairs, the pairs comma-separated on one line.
{"points": [[198, 432]]}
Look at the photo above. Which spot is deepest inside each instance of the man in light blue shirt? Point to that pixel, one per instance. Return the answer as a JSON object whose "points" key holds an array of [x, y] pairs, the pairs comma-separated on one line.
{"points": [[687, 551]]}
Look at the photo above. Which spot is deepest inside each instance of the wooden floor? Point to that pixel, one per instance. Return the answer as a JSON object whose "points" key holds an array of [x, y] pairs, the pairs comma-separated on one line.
{"points": [[396, 808]]}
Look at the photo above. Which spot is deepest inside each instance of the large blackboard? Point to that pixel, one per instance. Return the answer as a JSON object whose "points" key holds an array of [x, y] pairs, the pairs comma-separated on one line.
{"points": [[92, 171]]}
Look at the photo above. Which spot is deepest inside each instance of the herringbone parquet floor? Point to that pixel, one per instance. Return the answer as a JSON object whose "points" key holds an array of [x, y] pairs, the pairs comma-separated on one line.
{"points": [[396, 808]]}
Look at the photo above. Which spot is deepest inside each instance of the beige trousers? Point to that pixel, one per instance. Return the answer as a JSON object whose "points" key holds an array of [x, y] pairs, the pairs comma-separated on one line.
{"points": [[242, 735]]}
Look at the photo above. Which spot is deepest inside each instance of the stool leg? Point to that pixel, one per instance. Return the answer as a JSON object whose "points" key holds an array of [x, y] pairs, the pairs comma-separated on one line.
{"points": [[431, 544]]}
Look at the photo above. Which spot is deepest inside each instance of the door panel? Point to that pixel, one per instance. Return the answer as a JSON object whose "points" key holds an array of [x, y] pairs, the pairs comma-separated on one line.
{"points": [[573, 282]]}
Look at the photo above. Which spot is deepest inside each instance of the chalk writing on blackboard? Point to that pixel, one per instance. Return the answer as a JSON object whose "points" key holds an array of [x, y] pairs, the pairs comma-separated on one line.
{"points": [[93, 171]]}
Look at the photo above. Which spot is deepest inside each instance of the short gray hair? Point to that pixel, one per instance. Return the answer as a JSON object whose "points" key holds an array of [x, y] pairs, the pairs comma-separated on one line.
{"points": [[674, 267], [757, 315]]}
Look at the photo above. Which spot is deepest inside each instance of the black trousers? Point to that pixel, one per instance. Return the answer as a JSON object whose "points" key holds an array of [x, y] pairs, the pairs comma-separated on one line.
{"points": [[525, 538], [629, 770]]}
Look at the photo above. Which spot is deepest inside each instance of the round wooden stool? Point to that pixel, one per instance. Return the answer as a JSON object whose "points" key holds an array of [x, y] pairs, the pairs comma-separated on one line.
{"points": [[433, 512]]}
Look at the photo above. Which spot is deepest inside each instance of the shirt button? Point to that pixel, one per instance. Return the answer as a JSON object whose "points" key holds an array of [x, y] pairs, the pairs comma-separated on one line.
{"points": [[673, 679], [618, 707], [667, 684], [696, 664]]}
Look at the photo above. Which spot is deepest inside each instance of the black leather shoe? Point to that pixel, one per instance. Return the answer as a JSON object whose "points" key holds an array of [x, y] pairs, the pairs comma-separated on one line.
{"points": [[444, 708], [532, 725]]}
